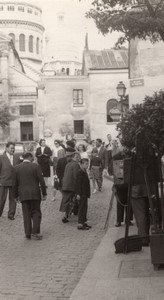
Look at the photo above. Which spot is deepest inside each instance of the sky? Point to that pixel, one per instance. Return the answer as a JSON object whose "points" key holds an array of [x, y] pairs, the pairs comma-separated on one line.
{"points": [[75, 25]]}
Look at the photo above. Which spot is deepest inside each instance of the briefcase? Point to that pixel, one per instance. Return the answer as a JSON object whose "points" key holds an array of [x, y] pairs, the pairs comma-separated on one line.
{"points": [[134, 243]]}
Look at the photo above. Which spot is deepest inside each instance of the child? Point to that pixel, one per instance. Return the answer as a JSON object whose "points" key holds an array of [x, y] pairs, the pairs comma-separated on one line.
{"points": [[95, 170], [83, 193]]}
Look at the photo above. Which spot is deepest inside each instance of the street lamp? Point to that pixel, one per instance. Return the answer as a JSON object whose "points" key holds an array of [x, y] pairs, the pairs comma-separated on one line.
{"points": [[121, 90]]}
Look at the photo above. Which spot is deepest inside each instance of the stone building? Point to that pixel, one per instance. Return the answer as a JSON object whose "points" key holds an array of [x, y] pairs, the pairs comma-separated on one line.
{"points": [[22, 21], [19, 92], [105, 69]]}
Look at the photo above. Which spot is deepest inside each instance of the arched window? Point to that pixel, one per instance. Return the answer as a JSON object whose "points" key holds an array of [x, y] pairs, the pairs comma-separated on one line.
{"points": [[37, 45], [12, 35], [113, 111], [31, 43], [22, 42]]}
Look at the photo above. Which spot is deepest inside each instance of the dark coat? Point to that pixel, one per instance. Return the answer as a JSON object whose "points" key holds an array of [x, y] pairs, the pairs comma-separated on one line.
{"points": [[82, 184], [44, 160], [60, 168], [70, 176], [6, 169], [28, 180], [103, 156]]}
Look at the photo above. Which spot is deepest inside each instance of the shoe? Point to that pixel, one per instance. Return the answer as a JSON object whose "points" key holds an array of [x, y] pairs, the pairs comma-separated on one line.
{"points": [[86, 225], [82, 227], [11, 218], [118, 224], [36, 236], [94, 191], [65, 220], [28, 236], [100, 189]]}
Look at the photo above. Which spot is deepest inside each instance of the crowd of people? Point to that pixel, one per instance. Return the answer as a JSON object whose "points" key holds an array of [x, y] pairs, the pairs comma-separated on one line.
{"points": [[78, 171]]}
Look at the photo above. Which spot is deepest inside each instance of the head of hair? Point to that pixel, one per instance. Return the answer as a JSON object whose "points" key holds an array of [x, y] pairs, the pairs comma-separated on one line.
{"points": [[99, 141], [57, 141], [27, 155], [83, 160], [70, 144], [9, 143], [41, 140], [94, 150], [83, 147]]}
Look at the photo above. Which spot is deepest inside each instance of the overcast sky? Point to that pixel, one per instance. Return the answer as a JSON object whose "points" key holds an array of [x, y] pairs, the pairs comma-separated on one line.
{"points": [[76, 25]]}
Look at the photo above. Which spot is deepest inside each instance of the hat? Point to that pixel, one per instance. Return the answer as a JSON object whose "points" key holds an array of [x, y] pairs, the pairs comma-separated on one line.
{"points": [[69, 151]]}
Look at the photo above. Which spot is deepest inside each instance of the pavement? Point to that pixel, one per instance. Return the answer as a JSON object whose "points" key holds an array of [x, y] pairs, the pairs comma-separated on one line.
{"points": [[111, 276], [49, 269]]}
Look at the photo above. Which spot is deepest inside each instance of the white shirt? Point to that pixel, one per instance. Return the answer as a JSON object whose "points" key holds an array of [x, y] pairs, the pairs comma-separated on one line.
{"points": [[10, 157], [42, 149]]}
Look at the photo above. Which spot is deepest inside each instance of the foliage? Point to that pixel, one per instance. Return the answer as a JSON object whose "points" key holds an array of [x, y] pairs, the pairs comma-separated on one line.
{"points": [[144, 20], [146, 122], [5, 116]]}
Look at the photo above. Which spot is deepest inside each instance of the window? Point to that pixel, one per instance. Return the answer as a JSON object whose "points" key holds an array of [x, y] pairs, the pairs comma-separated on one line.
{"points": [[79, 127], [67, 71], [77, 97], [26, 130], [11, 8], [22, 42], [29, 10], [113, 111], [26, 110], [12, 35], [37, 45], [30, 43], [21, 8], [1, 7]]}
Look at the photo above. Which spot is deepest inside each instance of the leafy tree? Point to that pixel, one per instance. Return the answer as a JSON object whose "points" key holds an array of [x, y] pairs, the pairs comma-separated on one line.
{"points": [[134, 18], [5, 116], [145, 121]]}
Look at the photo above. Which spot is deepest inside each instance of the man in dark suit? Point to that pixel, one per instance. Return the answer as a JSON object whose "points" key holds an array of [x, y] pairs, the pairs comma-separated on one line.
{"points": [[102, 153], [7, 161], [28, 180]]}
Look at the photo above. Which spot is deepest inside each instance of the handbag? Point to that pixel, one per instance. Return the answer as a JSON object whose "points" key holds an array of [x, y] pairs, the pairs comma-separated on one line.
{"points": [[134, 244]]}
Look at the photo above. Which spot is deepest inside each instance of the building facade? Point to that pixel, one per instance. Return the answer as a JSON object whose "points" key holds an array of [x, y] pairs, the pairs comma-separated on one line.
{"points": [[22, 21], [19, 93]]}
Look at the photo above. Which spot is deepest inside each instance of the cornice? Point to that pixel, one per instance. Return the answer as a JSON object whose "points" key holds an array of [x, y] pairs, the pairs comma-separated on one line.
{"points": [[21, 3], [7, 21]]}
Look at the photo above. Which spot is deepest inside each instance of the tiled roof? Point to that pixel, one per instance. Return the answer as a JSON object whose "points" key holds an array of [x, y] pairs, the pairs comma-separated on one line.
{"points": [[106, 59]]}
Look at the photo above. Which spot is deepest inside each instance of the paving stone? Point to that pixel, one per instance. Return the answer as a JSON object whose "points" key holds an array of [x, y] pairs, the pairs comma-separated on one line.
{"points": [[51, 268]]}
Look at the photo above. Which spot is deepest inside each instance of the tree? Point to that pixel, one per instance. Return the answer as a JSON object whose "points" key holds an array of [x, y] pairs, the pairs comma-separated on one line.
{"points": [[146, 121], [5, 116], [134, 18]]}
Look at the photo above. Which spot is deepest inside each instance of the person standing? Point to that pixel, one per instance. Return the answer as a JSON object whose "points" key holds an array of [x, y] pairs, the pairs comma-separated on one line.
{"points": [[83, 193], [7, 161], [95, 170], [43, 154], [109, 154], [27, 185], [102, 153], [58, 152], [69, 185]]}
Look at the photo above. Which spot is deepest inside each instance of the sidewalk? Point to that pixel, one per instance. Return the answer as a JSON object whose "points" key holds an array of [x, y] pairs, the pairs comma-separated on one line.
{"points": [[111, 276]]}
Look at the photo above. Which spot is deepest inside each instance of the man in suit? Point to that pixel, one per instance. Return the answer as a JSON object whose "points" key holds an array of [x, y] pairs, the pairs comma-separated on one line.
{"points": [[102, 153], [28, 180], [7, 161]]}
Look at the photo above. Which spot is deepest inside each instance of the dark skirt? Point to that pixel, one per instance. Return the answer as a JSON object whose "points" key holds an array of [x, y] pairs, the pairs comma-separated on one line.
{"points": [[45, 167], [67, 197]]}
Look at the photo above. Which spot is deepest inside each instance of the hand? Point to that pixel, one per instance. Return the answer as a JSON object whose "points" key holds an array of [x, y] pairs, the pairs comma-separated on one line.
{"points": [[44, 198], [78, 197]]}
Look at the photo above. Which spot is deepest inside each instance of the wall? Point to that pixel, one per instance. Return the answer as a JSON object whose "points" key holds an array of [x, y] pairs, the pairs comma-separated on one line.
{"points": [[102, 88], [56, 110], [146, 69]]}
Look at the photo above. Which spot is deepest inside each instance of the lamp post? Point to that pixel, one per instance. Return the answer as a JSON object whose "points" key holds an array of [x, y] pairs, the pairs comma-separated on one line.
{"points": [[121, 90]]}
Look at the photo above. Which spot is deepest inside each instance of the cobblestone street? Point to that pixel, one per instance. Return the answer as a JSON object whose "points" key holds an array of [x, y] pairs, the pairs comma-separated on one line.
{"points": [[51, 268]]}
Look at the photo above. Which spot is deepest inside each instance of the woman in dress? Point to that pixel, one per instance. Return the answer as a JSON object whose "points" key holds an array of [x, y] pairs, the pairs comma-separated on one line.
{"points": [[43, 154]]}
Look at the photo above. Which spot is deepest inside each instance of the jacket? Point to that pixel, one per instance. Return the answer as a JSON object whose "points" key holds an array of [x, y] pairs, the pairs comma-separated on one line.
{"points": [[6, 169], [28, 182], [70, 176], [82, 184]]}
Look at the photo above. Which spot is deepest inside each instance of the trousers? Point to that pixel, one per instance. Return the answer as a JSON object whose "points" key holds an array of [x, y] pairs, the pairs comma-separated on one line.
{"points": [[140, 208], [83, 207], [4, 191], [31, 216]]}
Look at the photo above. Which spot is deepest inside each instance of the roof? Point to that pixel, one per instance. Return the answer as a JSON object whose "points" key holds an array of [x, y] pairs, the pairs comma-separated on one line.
{"points": [[106, 59]]}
